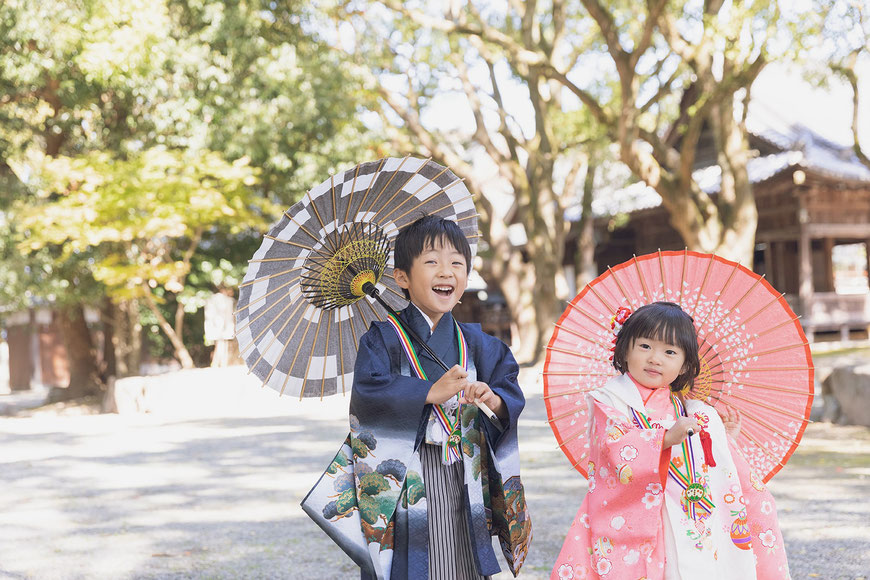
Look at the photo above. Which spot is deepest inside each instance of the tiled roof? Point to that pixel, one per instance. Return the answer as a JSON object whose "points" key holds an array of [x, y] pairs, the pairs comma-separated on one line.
{"points": [[800, 147]]}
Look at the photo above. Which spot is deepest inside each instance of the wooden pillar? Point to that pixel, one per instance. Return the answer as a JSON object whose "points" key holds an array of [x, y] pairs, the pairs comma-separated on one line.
{"points": [[779, 256], [805, 288], [828, 249], [768, 263]]}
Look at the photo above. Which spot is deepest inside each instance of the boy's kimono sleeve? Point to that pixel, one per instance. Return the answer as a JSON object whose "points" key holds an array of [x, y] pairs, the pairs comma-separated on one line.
{"points": [[498, 368], [356, 499], [618, 529]]}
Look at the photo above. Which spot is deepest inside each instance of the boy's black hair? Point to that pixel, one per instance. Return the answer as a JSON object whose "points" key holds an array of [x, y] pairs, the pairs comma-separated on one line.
{"points": [[667, 322]]}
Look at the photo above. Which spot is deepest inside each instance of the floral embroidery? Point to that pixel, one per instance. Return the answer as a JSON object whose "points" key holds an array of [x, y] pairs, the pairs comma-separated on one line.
{"points": [[766, 507], [648, 434], [584, 519], [631, 558], [651, 500], [566, 572], [617, 522], [628, 453], [603, 566], [768, 539]]}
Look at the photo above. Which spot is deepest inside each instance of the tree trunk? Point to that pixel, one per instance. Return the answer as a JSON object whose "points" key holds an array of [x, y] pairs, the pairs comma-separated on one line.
{"points": [[84, 376], [584, 258], [110, 360], [737, 209], [181, 352], [126, 338]]}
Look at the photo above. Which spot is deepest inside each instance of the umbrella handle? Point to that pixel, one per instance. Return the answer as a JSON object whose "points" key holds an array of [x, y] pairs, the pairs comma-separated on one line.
{"points": [[370, 289]]}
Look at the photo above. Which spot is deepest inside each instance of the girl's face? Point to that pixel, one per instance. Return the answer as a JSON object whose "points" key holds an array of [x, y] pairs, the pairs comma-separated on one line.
{"points": [[653, 363]]}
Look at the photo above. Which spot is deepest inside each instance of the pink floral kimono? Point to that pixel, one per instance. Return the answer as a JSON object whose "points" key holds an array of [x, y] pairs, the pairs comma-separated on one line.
{"points": [[654, 514]]}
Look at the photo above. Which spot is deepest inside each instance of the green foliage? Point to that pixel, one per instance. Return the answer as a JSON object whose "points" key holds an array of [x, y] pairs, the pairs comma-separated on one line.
{"points": [[346, 500], [144, 138], [373, 483], [141, 214], [414, 487], [359, 448]]}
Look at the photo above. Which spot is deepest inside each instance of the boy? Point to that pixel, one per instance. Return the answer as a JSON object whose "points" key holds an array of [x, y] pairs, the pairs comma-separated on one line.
{"points": [[423, 479]]}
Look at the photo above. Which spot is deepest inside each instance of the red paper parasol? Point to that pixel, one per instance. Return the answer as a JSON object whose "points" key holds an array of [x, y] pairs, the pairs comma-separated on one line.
{"points": [[754, 355]]}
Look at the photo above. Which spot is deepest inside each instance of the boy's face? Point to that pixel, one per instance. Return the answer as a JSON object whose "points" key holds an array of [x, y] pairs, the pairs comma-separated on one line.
{"points": [[437, 279]]}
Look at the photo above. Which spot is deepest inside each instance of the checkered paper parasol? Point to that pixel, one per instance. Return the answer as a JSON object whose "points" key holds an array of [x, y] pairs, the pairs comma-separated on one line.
{"points": [[308, 295], [754, 355]]}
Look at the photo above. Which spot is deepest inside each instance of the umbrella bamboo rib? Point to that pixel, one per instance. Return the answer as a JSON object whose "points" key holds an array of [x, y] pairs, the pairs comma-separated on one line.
{"points": [[760, 334], [325, 353], [270, 276], [771, 369], [770, 407], [589, 316], [662, 274], [563, 415], [268, 326], [283, 350], [386, 185], [375, 316], [313, 206], [254, 301], [600, 297], [351, 194], [401, 189], [775, 388], [414, 195], [581, 336], [468, 217], [261, 314], [719, 294], [619, 284], [771, 351], [582, 457], [295, 356], [287, 259], [766, 451], [575, 391], [341, 351], [646, 295], [765, 307], [301, 227], [571, 353], [271, 342], [683, 276], [303, 246], [371, 184], [703, 283], [444, 189], [571, 438], [759, 421]]}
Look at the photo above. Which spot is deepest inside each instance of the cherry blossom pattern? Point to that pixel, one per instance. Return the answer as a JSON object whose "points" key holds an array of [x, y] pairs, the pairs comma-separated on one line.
{"points": [[768, 538], [628, 453]]}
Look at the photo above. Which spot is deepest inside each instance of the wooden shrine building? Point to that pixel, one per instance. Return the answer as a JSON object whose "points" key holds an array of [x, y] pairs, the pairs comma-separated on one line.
{"points": [[813, 235]]}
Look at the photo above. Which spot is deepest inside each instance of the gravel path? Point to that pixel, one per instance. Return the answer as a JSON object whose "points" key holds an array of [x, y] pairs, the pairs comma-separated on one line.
{"points": [[213, 490]]}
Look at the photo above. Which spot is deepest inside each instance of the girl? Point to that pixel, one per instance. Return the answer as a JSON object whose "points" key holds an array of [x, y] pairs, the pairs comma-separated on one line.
{"points": [[670, 496]]}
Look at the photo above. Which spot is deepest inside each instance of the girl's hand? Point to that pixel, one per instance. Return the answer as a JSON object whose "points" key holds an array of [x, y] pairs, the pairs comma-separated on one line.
{"points": [[480, 392], [680, 430], [731, 419]]}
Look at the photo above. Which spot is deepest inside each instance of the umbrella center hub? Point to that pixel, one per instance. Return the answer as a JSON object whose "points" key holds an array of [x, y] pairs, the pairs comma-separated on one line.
{"points": [[356, 285]]}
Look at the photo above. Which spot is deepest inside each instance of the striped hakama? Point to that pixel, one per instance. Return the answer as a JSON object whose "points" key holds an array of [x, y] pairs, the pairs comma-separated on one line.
{"points": [[450, 553]]}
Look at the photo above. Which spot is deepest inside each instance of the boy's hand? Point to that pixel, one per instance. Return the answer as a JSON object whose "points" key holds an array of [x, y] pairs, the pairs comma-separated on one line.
{"points": [[731, 420], [680, 430], [448, 385], [480, 392]]}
